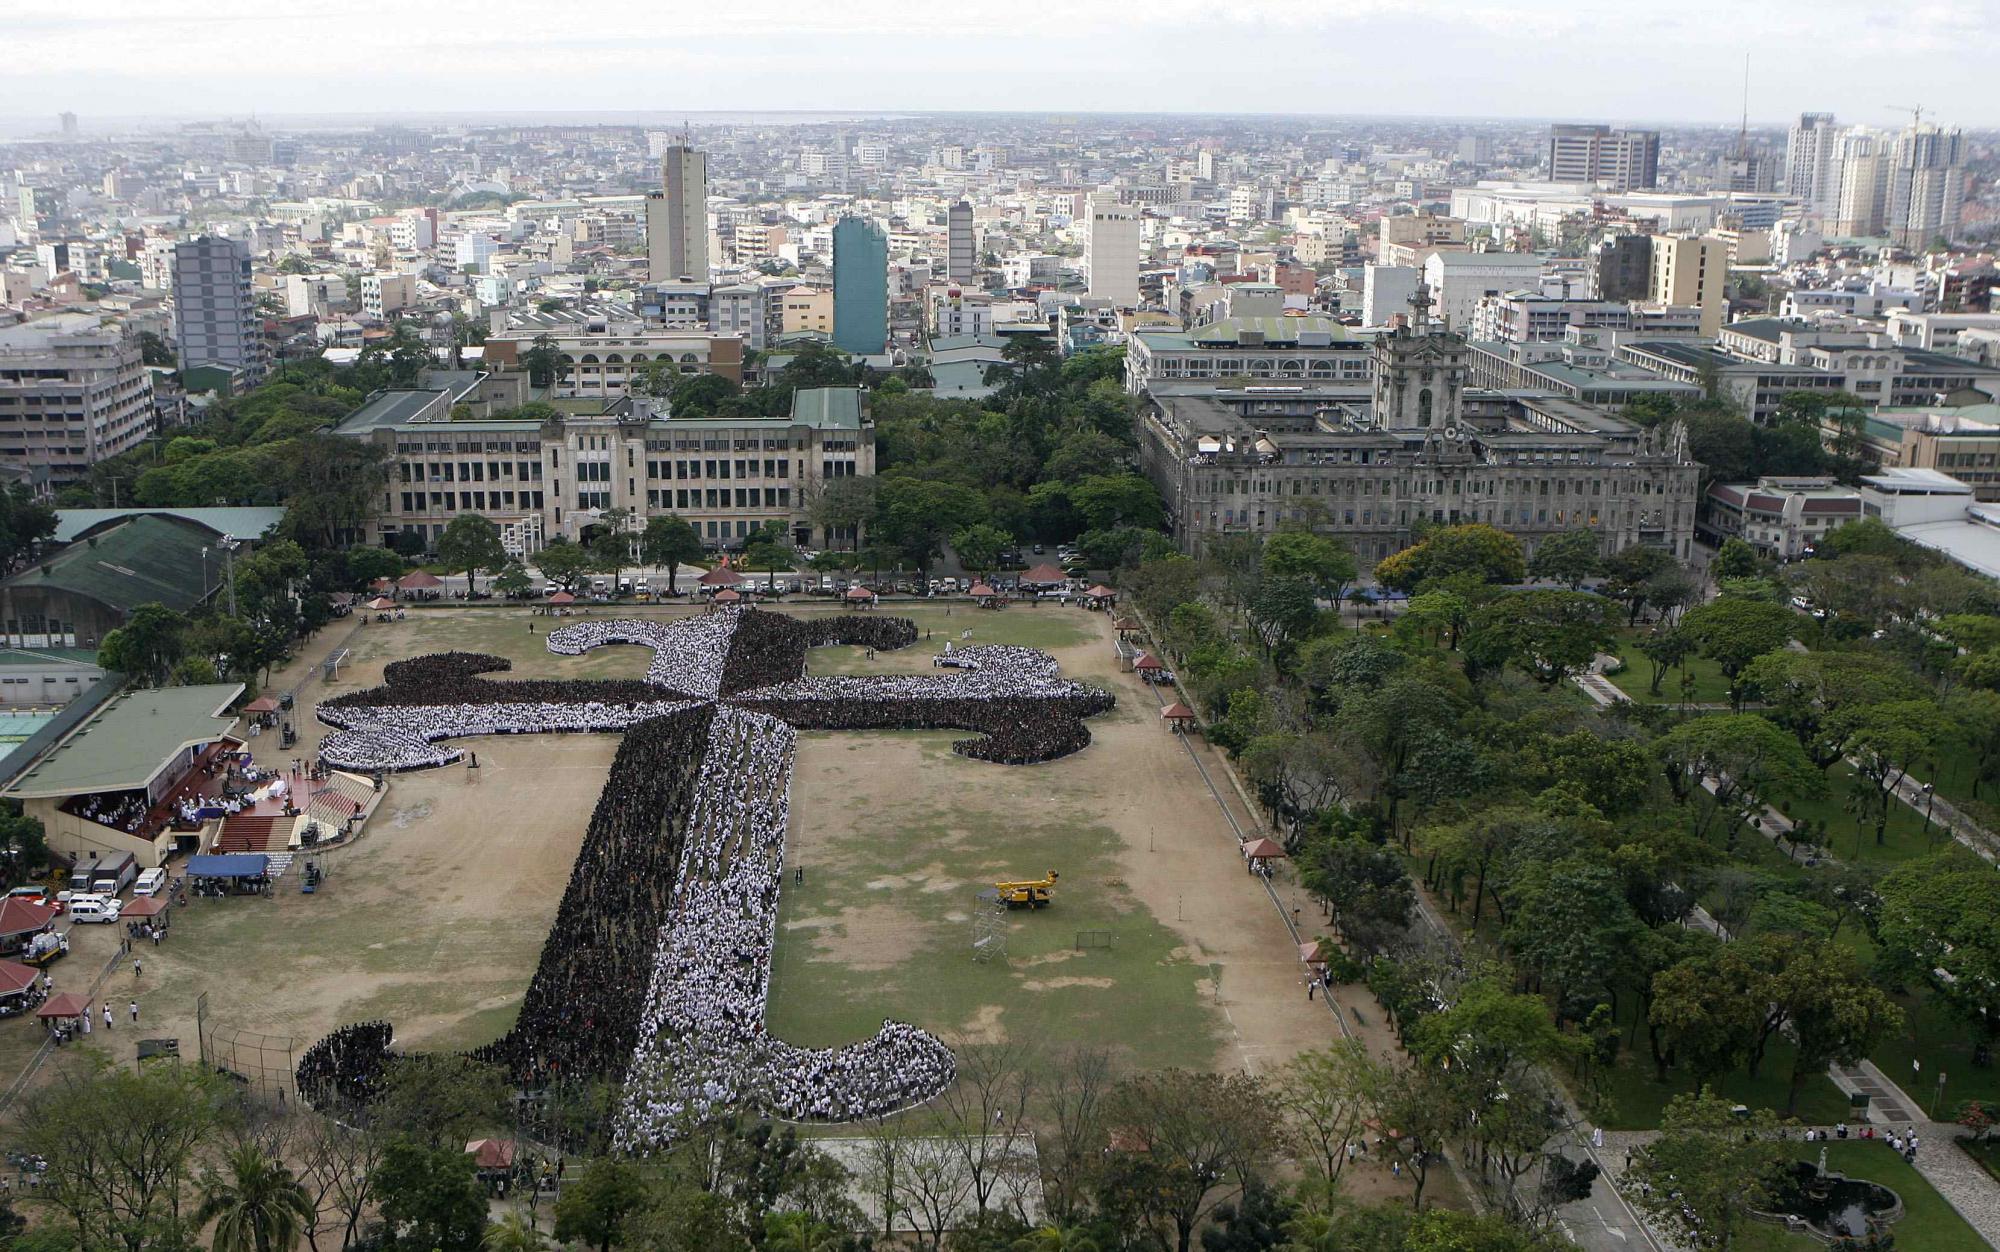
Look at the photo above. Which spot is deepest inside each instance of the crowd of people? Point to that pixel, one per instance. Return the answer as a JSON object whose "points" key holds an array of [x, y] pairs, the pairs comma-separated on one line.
{"points": [[120, 810], [688, 653], [580, 1017], [657, 967], [702, 1044]]}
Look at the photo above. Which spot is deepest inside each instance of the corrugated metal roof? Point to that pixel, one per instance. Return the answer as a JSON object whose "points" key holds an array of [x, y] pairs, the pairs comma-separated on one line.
{"points": [[127, 742], [144, 560], [244, 523]]}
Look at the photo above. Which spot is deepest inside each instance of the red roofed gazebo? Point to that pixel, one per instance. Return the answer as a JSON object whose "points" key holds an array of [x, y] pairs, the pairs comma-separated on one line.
{"points": [[858, 594], [262, 704], [16, 978], [148, 906], [491, 1153], [379, 603], [1263, 850], [980, 591], [1177, 712], [1316, 952], [419, 580], [721, 576], [1102, 592], [63, 1006], [562, 597], [1045, 574], [1148, 663], [21, 917], [728, 596]]}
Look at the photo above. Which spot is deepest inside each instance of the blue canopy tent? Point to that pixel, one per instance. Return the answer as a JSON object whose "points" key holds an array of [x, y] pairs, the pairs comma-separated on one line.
{"points": [[229, 874], [229, 865]]}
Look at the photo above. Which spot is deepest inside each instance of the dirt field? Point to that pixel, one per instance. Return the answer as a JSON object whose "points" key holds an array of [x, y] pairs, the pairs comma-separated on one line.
{"points": [[436, 917], [897, 833]]}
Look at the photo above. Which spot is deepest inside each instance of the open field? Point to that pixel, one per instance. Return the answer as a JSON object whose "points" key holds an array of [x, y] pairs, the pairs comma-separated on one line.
{"points": [[436, 917], [896, 834]]}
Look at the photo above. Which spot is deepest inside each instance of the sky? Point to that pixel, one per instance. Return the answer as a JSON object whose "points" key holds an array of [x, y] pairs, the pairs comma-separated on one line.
{"points": [[1865, 60]]}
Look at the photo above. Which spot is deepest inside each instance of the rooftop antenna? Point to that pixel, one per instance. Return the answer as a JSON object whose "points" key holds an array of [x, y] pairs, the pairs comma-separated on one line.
{"points": [[1743, 131]]}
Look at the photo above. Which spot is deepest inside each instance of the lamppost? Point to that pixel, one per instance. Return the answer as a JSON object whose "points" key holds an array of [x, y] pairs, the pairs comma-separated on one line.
{"points": [[1937, 1098]]}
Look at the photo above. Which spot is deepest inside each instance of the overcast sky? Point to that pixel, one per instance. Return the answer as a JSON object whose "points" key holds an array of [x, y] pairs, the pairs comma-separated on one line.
{"points": [[1515, 58]]}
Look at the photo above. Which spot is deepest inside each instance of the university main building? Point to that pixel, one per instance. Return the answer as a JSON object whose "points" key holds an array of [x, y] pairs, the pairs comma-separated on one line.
{"points": [[1244, 457]]}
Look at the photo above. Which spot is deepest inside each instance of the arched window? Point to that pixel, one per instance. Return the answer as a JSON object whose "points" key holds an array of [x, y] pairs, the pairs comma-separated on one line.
{"points": [[590, 358], [613, 358], [689, 358], [1424, 407]]}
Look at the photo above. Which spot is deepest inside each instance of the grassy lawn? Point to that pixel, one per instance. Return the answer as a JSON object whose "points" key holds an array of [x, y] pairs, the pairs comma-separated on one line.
{"points": [[1941, 1040], [882, 924], [1632, 1100], [1853, 838], [1710, 687]]}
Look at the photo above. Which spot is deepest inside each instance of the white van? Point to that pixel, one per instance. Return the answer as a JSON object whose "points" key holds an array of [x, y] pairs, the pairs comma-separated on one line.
{"points": [[93, 908], [150, 882]]}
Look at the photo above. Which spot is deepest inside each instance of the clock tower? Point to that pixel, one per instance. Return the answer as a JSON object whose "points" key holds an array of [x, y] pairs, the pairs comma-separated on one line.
{"points": [[1420, 372]]}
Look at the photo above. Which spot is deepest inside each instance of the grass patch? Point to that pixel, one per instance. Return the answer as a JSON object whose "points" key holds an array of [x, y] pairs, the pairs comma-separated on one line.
{"points": [[882, 926], [1852, 837], [1630, 1099], [1929, 1223], [1711, 686], [1942, 1041]]}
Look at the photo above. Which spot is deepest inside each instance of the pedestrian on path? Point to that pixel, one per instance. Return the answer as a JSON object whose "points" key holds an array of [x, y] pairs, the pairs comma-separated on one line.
{"points": [[1597, 1136], [86, 1019], [138, 968], [135, 1011], [1311, 986], [107, 1015]]}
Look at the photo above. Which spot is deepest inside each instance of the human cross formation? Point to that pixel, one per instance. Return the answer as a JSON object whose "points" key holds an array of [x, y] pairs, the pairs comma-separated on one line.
{"points": [[656, 971]]}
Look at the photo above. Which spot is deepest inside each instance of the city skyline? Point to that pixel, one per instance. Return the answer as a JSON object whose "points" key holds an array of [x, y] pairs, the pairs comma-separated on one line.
{"points": [[1499, 61]]}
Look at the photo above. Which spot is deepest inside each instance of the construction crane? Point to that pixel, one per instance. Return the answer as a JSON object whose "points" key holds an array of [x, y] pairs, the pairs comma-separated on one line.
{"points": [[1033, 895], [1916, 112]]}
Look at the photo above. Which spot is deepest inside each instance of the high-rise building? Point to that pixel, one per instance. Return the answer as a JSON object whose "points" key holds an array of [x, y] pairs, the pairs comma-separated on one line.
{"points": [[1620, 160], [215, 310], [860, 287], [677, 220], [1810, 173], [1691, 271], [961, 255], [1860, 193], [68, 121], [1621, 267], [73, 391], [1111, 251], [1926, 186]]}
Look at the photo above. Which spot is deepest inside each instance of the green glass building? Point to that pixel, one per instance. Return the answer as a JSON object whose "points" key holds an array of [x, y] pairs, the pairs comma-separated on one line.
{"points": [[860, 287]]}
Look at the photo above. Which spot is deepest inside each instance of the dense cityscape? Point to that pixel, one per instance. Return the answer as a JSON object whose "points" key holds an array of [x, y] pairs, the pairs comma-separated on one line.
{"points": [[1054, 680]]}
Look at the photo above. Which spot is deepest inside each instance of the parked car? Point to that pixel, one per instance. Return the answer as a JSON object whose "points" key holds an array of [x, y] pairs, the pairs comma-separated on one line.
{"points": [[89, 907]]}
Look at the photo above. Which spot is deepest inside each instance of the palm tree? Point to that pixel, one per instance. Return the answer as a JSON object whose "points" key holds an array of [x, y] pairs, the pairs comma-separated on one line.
{"points": [[798, 1232], [260, 1207], [1056, 1239], [511, 1234]]}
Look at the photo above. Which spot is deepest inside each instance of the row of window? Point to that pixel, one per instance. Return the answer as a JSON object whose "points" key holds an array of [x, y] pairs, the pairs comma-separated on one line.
{"points": [[469, 501]]}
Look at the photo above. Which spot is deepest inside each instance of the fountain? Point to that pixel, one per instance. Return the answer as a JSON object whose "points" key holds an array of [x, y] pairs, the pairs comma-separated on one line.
{"points": [[1834, 1205]]}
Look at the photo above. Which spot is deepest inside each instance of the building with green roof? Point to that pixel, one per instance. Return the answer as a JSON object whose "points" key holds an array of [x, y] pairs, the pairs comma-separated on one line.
{"points": [[542, 479], [77, 594], [135, 747]]}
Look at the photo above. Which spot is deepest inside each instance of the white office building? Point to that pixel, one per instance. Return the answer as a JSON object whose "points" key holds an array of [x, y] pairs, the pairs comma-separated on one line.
{"points": [[1111, 251]]}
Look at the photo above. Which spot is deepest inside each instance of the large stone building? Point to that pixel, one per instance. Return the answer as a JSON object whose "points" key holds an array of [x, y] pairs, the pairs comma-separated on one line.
{"points": [[1427, 448], [539, 480], [73, 391], [1261, 349]]}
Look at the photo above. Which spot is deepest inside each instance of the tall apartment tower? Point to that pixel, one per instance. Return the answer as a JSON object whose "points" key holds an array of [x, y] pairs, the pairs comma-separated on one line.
{"points": [[1691, 271], [1926, 186], [1810, 173], [1111, 251], [215, 309], [860, 287], [1621, 160], [961, 256], [1859, 205], [677, 219], [1621, 267]]}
